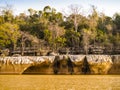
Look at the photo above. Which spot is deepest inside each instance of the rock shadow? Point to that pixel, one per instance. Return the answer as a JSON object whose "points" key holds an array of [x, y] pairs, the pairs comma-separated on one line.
{"points": [[56, 65], [85, 66]]}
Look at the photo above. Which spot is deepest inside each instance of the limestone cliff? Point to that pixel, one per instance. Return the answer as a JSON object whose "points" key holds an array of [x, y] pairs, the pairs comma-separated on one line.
{"points": [[62, 64]]}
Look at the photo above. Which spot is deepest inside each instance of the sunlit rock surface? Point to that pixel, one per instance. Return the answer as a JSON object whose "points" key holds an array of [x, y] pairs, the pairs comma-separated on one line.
{"points": [[61, 64], [99, 64], [14, 65], [77, 60]]}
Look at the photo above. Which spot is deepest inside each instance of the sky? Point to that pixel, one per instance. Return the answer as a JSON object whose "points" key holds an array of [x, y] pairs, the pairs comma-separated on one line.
{"points": [[109, 7]]}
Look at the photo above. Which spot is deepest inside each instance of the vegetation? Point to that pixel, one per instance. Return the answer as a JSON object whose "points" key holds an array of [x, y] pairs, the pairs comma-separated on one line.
{"points": [[52, 30]]}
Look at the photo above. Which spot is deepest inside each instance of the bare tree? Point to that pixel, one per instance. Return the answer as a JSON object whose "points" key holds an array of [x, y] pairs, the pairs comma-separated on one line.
{"points": [[86, 39], [56, 32], [26, 36], [75, 11], [93, 22]]}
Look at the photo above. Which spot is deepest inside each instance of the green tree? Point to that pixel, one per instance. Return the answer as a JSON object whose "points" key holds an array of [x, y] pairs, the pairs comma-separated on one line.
{"points": [[7, 13], [116, 20], [48, 36], [72, 38], [9, 34]]}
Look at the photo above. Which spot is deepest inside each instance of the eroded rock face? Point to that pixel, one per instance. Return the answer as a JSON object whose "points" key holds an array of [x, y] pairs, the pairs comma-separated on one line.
{"points": [[17, 65], [13, 65], [77, 61], [99, 64], [58, 65], [115, 69], [61, 64]]}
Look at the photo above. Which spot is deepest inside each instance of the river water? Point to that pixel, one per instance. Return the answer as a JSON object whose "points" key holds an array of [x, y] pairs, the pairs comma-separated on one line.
{"points": [[59, 82]]}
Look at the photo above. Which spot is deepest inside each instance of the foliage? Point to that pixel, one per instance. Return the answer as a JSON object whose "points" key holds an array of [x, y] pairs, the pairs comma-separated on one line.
{"points": [[9, 34], [57, 30]]}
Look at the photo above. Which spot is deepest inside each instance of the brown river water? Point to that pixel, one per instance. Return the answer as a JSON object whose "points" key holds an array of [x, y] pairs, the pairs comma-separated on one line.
{"points": [[59, 82]]}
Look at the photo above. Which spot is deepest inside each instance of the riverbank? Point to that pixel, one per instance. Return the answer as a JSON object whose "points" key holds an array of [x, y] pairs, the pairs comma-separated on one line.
{"points": [[61, 64]]}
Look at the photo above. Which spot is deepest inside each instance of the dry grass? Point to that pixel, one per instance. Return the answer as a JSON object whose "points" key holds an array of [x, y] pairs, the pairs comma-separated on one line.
{"points": [[59, 82]]}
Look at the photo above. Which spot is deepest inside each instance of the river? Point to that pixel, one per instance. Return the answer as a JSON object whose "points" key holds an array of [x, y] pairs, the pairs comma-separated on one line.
{"points": [[59, 82]]}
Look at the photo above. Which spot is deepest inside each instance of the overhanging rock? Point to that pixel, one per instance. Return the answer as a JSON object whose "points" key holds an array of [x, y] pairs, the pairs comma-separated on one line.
{"points": [[62, 64]]}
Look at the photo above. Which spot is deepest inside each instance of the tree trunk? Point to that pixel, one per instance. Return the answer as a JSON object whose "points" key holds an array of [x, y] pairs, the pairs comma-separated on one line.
{"points": [[22, 48], [75, 24], [14, 46]]}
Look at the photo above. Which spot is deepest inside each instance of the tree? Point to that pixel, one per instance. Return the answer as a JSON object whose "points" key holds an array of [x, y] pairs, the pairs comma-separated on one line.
{"points": [[1, 20], [86, 35], [116, 30], [48, 36], [47, 12], [93, 22], [75, 15], [9, 34], [25, 36], [72, 38], [117, 40], [73, 30], [7, 13], [57, 32], [116, 18]]}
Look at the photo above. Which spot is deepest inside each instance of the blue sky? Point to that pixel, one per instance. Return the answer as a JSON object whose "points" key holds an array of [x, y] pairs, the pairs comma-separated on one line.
{"points": [[109, 7]]}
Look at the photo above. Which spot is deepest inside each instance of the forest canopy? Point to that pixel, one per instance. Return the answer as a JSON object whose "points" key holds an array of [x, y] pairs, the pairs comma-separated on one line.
{"points": [[53, 30]]}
